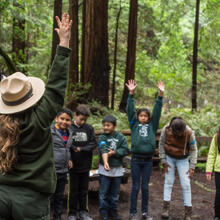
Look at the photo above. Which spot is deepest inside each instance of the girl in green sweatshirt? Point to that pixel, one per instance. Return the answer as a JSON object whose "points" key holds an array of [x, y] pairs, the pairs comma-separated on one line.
{"points": [[213, 163], [143, 128]]}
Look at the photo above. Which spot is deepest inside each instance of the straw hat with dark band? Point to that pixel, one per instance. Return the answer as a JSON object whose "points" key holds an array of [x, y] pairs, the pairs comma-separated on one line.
{"points": [[19, 92]]}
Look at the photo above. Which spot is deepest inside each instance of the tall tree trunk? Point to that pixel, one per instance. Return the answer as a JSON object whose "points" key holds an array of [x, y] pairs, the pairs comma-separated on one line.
{"points": [[115, 57], [95, 58], [195, 52], [74, 56], [57, 11], [74, 41], [131, 51], [18, 35]]}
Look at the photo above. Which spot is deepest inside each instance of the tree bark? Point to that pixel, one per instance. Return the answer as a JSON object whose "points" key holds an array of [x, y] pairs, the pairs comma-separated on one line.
{"points": [[195, 52], [95, 57], [55, 39], [115, 57], [131, 51], [18, 35], [74, 41]]}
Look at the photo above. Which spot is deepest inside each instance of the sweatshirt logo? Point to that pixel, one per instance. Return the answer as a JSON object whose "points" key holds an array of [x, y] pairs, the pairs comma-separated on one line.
{"points": [[80, 137], [113, 143], [144, 130]]}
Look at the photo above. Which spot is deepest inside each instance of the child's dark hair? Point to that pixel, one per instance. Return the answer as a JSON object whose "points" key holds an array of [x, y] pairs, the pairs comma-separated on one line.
{"points": [[177, 124], [218, 138], [111, 119], [82, 110], [146, 110], [67, 111]]}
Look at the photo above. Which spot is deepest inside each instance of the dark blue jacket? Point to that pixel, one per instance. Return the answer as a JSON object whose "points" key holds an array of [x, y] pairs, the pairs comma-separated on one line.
{"points": [[61, 152]]}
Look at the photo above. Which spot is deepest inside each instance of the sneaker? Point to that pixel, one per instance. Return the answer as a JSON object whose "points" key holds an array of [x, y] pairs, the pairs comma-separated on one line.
{"points": [[72, 217], [133, 216], [104, 217], [84, 215], [146, 216]]}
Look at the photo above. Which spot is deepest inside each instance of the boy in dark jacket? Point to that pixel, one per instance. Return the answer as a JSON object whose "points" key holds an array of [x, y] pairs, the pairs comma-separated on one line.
{"points": [[62, 143], [83, 143], [112, 147]]}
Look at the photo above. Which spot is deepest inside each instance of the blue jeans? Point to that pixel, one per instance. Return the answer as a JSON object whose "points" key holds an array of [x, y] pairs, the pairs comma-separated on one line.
{"points": [[109, 190], [141, 170], [182, 168]]}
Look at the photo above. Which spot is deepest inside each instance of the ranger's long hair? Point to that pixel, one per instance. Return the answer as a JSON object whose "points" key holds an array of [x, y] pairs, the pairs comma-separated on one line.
{"points": [[9, 136]]}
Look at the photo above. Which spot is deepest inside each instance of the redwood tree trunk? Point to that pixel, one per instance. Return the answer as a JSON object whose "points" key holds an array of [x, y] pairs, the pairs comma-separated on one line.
{"points": [[74, 41], [195, 52], [115, 57], [131, 51], [55, 39], [18, 36], [95, 57]]}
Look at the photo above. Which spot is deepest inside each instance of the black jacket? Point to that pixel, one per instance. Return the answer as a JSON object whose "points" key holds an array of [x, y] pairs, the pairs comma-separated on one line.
{"points": [[83, 137], [61, 152]]}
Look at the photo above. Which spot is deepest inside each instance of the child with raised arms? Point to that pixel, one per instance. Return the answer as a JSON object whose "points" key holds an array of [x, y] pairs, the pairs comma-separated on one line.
{"points": [[143, 129]]}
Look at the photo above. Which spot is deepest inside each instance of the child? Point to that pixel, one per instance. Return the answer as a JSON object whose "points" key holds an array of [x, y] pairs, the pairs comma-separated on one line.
{"points": [[213, 161], [143, 130], [62, 143], [112, 147], [27, 173], [177, 143], [83, 143]]}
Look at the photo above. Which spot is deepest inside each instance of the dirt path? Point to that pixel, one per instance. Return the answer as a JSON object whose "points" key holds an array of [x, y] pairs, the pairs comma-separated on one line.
{"points": [[202, 197]]}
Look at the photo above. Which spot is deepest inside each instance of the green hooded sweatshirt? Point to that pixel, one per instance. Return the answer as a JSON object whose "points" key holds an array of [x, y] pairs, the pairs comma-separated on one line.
{"points": [[143, 141], [116, 142], [34, 168]]}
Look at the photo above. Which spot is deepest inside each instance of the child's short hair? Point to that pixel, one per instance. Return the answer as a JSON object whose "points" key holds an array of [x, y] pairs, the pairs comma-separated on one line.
{"points": [[177, 124], [111, 119], [143, 110], [82, 110], [67, 111]]}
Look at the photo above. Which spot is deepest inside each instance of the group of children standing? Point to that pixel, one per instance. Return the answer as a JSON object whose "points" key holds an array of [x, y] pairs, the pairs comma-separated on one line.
{"points": [[28, 157]]}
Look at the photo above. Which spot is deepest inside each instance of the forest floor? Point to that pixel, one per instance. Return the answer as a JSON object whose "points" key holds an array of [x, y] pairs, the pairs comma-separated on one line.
{"points": [[203, 194]]}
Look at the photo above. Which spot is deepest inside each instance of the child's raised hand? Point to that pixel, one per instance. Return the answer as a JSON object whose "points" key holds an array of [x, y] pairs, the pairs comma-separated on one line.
{"points": [[161, 88], [131, 86], [63, 30]]}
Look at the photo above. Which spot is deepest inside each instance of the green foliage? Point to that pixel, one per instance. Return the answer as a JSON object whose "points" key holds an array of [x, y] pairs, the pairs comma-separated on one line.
{"points": [[95, 162]]}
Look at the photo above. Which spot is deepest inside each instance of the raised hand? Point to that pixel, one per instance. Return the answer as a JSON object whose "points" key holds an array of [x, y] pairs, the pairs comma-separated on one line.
{"points": [[63, 30], [161, 88], [131, 86]]}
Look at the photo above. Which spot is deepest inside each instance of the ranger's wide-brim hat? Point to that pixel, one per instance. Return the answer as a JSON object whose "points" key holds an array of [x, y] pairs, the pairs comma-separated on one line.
{"points": [[19, 92]]}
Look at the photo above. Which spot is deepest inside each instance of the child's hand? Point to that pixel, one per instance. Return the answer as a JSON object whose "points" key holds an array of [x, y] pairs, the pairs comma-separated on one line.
{"points": [[70, 164], [165, 167], [161, 88], [191, 173], [106, 166], [77, 149], [110, 152], [131, 86], [208, 176], [63, 29]]}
